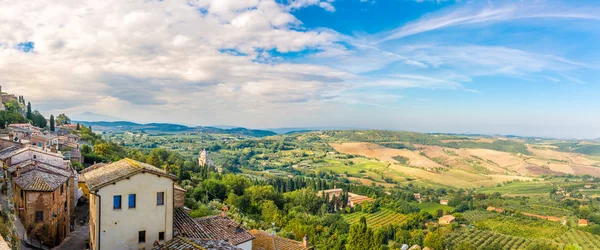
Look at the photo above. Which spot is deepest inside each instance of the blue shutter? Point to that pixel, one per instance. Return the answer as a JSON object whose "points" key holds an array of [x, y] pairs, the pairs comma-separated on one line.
{"points": [[131, 200], [117, 202]]}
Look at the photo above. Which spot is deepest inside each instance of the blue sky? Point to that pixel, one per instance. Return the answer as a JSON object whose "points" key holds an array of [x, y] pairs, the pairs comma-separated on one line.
{"points": [[494, 67]]}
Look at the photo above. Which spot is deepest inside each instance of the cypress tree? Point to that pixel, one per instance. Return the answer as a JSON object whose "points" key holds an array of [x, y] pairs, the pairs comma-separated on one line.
{"points": [[52, 123], [29, 115]]}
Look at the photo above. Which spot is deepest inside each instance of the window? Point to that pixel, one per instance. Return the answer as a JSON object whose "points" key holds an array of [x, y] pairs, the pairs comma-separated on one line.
{"points": [[161, 236], [61, 189], [131, 200], [22, 193], [65, 206], [39, 216], [160, 198], [117, 202], [35, 156], [141, 236]]}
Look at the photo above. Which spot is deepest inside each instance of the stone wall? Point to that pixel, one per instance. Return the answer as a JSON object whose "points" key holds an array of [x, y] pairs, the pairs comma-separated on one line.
{"points": [[179, 197]]}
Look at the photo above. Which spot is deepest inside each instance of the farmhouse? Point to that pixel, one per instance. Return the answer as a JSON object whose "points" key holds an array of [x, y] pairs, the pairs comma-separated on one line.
{"points": [[582, 223], [495, 209], [355, 199], [446, 219], [444, 202], [265, 241]]}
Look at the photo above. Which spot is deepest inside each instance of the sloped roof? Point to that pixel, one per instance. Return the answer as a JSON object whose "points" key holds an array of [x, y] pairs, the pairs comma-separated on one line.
{"points": [[8, 152], [40, 178], [100, 177], [265, 241], [92, 167], [181, 243], [29, 148], [185, 226], [215, 228], [44, 137]]}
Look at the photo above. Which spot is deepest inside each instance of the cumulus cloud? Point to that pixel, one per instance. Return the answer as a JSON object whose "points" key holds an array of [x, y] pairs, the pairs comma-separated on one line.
{"points": [[159, 55]]}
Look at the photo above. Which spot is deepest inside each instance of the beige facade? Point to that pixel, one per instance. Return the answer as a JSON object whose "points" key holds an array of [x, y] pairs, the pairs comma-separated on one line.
{"points": [[117, 228]]}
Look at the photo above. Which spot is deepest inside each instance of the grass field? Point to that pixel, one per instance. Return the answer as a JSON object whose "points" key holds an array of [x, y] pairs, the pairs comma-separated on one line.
{"points": [[433, 207], [521, 188], [377, 219]]}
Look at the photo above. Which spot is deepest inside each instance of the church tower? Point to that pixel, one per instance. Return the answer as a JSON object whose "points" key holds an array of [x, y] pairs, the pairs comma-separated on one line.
{"points": [[203, 159]]}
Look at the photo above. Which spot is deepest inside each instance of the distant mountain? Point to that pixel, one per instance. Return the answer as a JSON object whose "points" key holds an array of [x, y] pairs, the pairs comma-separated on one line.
{"points": [[94, 117], [308, 129], [237, 131], [168, 127]]}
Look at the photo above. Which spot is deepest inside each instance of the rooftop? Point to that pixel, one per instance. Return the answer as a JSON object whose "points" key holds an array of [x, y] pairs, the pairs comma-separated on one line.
{"points": [[224, 228], [102, 176], [181, 243], [216, 228], [44, 137], [447, 218], [40, 177], [265, 241]]}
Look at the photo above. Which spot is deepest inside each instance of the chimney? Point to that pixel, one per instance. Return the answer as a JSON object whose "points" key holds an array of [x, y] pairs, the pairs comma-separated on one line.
{"points": [[224, 210], [305, 241]]}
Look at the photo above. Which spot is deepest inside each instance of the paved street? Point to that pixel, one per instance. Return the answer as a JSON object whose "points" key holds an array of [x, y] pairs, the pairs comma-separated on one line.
{"points": [[76, 240]]}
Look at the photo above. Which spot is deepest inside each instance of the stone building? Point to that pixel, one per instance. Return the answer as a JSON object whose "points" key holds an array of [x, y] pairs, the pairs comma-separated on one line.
{"points": [[43, 196], [42, 185]]}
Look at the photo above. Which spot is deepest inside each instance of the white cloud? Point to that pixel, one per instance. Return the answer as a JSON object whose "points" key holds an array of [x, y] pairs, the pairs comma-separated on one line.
{"points": [[143, 57], [299, 4], [475, 13]]}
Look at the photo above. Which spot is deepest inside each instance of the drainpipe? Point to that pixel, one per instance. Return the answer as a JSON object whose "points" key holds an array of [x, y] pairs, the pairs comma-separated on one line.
{"points": [[99, 216]]}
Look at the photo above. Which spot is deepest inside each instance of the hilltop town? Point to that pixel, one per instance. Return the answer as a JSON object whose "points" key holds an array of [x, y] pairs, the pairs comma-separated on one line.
{"points": [[67, 185]]}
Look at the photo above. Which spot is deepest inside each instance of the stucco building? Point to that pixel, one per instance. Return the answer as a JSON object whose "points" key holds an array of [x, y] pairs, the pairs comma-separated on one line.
{"points": [[44, 141], [131, 205]]}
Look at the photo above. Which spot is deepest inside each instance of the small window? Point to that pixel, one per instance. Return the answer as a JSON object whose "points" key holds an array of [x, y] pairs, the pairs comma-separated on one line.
{"points": [[141, 236], [35, 156], [65, 206], [61, 189], [131, 200], [160, 198], [161, 236], [39, 216], [22, 193], [117, 202]]}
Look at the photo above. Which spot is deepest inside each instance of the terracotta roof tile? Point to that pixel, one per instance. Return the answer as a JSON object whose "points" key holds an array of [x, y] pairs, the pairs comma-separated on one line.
{"points": [[39, 177], [209, 228], [181, 243], [100, 177], [224, 228], [265, 241], [185, 226]]}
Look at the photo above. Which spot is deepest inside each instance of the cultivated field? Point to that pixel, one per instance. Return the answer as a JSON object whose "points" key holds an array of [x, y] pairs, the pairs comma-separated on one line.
{"points": [[377, 219], [472, 167]]}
